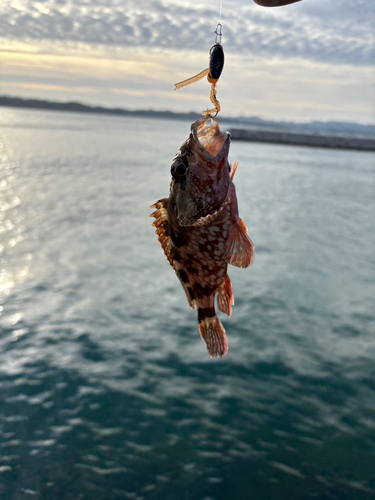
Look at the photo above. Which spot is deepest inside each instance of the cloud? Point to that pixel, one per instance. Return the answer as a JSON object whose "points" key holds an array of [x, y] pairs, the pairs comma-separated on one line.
{"points": [[310, 60], [337, 31]]}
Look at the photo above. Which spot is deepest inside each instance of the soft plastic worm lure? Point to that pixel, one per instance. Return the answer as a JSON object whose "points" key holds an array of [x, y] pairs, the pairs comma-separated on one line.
{"points": [[213, 72]]}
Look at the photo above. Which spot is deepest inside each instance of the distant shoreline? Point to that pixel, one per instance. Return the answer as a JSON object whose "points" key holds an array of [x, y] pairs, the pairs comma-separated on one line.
{"points": [[75, 107], [260, 134]]}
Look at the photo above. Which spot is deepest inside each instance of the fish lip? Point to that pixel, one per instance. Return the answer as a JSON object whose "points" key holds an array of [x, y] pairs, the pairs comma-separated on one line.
{"points": [[224, 150]]}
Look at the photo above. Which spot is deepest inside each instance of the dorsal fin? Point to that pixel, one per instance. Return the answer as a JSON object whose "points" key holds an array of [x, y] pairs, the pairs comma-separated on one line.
{"points": [[161, 224], [225, 298], [163, 203], [240, 252]]}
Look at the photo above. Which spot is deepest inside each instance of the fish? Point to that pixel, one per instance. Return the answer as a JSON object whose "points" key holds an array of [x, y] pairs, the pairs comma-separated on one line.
{"points": [[199, 228]]}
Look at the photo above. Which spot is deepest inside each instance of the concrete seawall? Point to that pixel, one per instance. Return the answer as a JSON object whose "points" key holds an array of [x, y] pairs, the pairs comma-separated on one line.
{"points": [[312, 140]]}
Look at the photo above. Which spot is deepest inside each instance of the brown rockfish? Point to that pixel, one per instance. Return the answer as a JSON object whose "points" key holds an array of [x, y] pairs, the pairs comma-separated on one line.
{"points": [[199, 228]]}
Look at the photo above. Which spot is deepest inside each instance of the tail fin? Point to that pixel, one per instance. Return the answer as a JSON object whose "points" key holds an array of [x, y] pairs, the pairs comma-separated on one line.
{"points": [[213, 334]]}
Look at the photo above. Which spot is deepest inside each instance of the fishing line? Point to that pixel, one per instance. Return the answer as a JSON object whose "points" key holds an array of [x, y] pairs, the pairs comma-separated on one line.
{"points": [[220, 11]]}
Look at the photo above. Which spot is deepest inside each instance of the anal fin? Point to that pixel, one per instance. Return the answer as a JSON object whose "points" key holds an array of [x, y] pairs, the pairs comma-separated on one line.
{"points": [[240, 252], [225, 298]]}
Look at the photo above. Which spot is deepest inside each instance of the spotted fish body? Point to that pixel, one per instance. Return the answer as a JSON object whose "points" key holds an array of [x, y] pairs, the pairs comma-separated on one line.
{"points": [[199, 228]]}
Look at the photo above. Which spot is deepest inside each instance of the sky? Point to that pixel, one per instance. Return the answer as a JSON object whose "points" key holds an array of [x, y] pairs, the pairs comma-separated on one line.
{"points": [[312, 60]]}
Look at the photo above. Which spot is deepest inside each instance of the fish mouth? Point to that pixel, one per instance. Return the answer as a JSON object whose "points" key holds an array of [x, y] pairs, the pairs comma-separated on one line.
{"points": [[209, 138]]}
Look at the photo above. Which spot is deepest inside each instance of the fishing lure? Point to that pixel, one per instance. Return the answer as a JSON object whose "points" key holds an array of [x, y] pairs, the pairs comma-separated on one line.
{"points": [[213, 72]]}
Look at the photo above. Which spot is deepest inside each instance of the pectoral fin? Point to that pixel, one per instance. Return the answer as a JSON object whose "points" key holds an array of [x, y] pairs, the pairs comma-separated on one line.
{"points": [[240, 252]]}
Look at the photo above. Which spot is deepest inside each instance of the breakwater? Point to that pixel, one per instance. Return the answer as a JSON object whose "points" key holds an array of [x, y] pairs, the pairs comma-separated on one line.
{"points": [[303, 139]]}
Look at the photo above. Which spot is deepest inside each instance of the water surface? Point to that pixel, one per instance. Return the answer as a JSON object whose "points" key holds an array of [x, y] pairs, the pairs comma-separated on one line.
{"points": [[107, 389]]}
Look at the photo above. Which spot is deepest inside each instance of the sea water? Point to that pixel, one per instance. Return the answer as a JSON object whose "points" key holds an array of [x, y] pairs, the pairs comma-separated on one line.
{"points": [[107, 390]]}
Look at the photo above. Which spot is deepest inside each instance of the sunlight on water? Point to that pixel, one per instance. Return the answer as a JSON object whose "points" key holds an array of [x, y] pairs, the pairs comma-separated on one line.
{"points": [[6, 282], [12, 269], [107, 388]]}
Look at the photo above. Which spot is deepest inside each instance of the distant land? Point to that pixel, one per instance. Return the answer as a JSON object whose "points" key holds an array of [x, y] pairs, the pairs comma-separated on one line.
{"points": [[76, 107], [343, 135]]}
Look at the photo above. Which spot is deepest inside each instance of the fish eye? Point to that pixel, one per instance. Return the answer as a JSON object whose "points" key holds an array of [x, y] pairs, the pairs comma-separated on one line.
{"points": [[179, 169]]}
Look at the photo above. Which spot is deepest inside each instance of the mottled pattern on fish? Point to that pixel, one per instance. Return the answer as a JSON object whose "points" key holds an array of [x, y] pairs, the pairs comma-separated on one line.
{"points": [[199, 228]]}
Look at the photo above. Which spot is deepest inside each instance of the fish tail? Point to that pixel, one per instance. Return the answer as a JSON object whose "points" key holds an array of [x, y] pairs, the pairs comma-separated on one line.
{"points": [[212, 332]]}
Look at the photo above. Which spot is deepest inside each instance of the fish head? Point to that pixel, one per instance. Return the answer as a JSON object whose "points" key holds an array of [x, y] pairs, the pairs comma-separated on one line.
{"points": [[201, 172]]}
